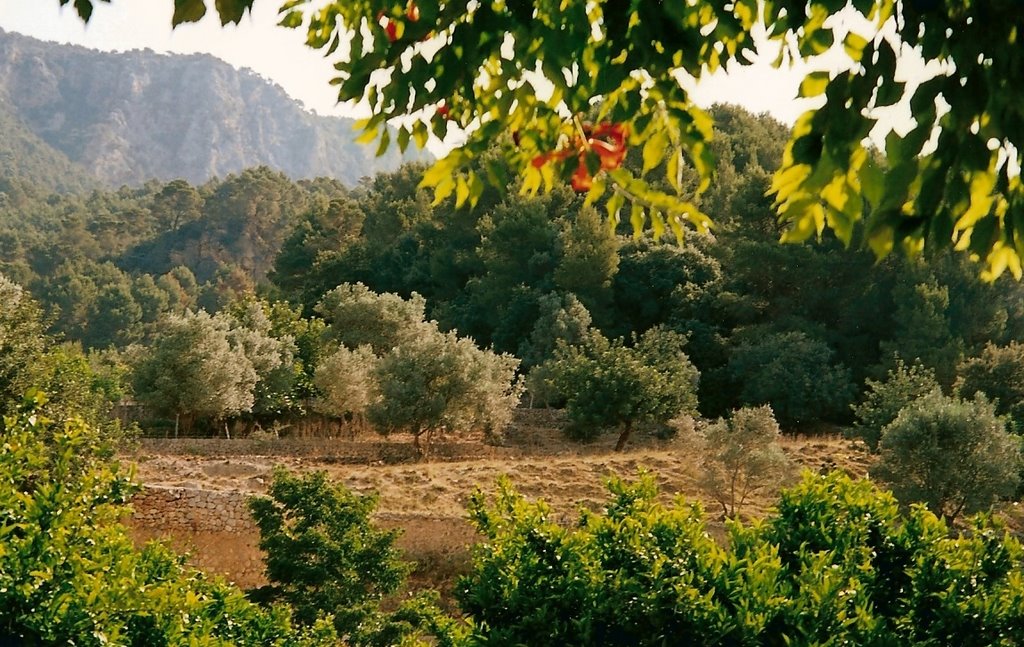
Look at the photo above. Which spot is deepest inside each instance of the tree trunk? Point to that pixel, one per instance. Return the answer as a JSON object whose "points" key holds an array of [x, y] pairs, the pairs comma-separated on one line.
{"points": [[177, 417], [624, 436], [416, 442]]}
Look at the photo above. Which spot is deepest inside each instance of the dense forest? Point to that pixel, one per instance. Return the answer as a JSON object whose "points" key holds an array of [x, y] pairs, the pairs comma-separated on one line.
{"points": [[804, 328]]}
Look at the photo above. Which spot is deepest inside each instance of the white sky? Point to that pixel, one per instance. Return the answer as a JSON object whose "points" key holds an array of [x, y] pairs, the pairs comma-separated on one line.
{"points": [[279, 54]]}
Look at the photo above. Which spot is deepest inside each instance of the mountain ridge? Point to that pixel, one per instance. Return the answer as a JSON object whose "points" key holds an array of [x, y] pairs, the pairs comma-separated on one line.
{"points": [[126, 117]]}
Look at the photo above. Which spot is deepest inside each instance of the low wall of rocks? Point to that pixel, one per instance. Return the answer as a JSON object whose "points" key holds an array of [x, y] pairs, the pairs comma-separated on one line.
{"points": [[191, 509]]}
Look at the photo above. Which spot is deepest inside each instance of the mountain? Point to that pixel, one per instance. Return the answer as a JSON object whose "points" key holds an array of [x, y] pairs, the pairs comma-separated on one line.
{"points": [[73, 116]]}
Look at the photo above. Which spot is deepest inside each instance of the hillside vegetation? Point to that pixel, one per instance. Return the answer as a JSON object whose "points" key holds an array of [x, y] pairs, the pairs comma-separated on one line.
{"points": [[267, 311]]}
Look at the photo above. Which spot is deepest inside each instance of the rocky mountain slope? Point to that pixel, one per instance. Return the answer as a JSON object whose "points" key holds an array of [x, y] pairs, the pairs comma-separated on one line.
{"points": [[71, 115]]}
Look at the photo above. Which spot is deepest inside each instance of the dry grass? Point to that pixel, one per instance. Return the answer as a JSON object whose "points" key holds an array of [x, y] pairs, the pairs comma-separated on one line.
{"points": [[427, 499], [540, 462]]}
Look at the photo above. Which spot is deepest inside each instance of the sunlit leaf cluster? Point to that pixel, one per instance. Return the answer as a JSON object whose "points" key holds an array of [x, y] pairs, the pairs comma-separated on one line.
{"points": [[544, 76]]}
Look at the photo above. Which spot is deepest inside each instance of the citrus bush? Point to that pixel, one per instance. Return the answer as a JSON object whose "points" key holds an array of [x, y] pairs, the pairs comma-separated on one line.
{"points": [[326, 557], [838, 563], [70, 574]]}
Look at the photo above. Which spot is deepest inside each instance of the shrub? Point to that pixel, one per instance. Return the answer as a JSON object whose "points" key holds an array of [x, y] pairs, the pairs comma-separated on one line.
{"points": [[606, 384], [70, 573], [885, 399], [837, 564], [742, 456], [998, 373], [953, 455], [793, 373], [326, 557]]}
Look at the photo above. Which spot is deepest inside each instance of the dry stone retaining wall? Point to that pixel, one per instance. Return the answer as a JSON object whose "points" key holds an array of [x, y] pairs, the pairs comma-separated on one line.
{"points": [[192, 509]]}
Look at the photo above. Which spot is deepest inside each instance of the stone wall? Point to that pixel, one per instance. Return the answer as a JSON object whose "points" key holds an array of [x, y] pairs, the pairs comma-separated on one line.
{"points": [[213, 526], [194, 510]]}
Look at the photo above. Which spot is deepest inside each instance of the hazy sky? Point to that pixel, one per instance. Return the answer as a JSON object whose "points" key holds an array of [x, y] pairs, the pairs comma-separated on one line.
{"points": [[280, 55]]}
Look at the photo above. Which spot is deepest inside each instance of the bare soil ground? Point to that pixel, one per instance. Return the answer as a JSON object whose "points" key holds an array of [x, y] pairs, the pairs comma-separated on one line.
{"points": [[427, 498]]}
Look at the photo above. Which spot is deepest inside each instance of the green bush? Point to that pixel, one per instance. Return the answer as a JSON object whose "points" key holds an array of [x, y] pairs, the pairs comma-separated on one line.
{"points": [[998, 372], [70, 573], [953, 455], [838, 564], [885, 399], [607, 384], [326, 557]]}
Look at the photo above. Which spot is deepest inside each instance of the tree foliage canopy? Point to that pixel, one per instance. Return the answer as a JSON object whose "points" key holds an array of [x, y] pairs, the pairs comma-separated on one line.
{"points": [[836, 564], [955, 455], [536, 69]]}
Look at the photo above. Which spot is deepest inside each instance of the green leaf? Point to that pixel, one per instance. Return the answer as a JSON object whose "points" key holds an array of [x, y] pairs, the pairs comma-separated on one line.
{"points": [[231, 11], [854, 45], [615, 204], [597, 189], [444, 188], [889, 92], [385, 141], [461, 192], [637, 219], [814, 84], [82, 7], [188, 11], [872, 182], [657, 224], [476, 188], [654, 149], [367, 136], [420, 134], [291, 20]]}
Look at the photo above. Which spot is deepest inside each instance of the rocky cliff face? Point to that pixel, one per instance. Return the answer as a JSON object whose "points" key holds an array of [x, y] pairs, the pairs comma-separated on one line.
{"points": [[124, 118]]}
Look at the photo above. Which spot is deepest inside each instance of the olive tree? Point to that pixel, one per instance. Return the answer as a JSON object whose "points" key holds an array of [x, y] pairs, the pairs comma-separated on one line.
{"points": [[357, 316], [272, 356], [439, 382], [886, 398], [607, 384], [193, 370], [22, 340], [998, 372], [347, 383], [954, 455], [742, 456]]}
